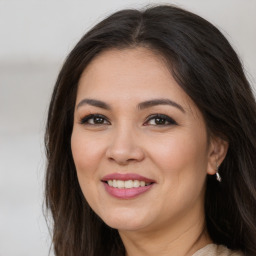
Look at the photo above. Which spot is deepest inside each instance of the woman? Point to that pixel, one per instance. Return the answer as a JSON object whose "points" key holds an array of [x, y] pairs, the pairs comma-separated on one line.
{"points": [[151, 141]]}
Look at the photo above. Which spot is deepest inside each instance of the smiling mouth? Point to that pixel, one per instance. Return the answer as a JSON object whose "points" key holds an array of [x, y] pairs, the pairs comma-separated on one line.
{"points": [[121, 184], [127, 186]]}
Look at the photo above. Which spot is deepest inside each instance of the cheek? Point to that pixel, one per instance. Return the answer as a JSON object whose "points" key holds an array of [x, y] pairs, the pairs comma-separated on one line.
{"points": [[86, 152], [180, 152], [182, 160]]}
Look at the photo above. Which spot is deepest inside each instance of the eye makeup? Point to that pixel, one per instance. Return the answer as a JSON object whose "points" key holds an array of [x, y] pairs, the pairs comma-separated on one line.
{"points": [[154, 120]]}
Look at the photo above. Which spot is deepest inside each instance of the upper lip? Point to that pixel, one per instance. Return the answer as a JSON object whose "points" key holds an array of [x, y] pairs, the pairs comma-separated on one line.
{"points": [[126, 176]]}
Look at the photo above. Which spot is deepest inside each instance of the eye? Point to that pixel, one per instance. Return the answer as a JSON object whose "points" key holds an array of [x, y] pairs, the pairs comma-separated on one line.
{"points": [[160, 120], [94, 119]]}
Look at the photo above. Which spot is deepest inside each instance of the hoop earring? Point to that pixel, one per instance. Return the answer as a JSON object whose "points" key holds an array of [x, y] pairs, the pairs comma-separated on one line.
{"points": [[218, 177]]}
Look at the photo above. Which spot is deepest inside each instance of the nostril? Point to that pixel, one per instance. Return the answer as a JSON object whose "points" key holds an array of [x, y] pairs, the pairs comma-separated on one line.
{"points": [[125, 155]]}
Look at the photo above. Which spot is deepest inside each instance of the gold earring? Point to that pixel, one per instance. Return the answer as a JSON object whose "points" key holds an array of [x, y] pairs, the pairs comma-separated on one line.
{"points": [[218, 178]]}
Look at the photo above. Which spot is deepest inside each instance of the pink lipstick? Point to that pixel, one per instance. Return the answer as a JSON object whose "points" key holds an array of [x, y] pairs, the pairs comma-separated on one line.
{"points": [[126, 186]]}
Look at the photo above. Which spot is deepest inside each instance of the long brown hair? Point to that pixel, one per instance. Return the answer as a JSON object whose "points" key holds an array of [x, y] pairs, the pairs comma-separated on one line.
{"points": [[207, 68]]}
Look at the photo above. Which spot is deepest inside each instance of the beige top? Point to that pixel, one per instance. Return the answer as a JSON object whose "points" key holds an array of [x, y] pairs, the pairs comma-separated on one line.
{"points": [[216, 250]]}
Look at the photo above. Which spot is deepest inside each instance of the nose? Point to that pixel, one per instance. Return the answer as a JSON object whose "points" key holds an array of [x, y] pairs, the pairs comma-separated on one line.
{"points": [[124, 147]]}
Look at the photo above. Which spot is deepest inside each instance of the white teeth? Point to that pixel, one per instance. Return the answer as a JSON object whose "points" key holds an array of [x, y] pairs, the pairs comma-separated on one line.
{"points": [[114, 184], [120, 183], [136, 183], [127, 183]]}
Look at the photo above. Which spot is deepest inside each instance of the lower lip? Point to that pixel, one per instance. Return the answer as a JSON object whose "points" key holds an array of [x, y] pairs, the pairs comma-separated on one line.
{"points": [[126, 193]]}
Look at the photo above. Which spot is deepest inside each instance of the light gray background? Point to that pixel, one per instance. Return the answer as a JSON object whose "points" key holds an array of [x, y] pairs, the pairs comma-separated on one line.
{"points": [[35, 37]]}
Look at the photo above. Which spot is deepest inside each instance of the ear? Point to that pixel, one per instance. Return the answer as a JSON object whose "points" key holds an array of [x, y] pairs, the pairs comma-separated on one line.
{"points": [[217, 151]]}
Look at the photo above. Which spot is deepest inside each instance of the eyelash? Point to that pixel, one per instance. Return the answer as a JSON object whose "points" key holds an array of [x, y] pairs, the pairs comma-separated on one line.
{"points": [[170, 121]]}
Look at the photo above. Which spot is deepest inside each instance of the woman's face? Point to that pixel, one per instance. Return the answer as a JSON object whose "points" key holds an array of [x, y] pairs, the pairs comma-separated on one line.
{"points": [[139, 143]]}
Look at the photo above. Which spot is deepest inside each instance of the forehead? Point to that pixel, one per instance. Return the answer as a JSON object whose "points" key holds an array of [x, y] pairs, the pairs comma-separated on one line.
{"points": [[129, 61], [130, 74]]}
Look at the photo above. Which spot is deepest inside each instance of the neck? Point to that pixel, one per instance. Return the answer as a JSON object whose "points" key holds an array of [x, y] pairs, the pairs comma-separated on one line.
{"points": [[182, 239]]}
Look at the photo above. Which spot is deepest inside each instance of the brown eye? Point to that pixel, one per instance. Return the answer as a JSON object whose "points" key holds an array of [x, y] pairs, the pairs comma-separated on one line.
{"points": [[160, 120], [94, 119]]}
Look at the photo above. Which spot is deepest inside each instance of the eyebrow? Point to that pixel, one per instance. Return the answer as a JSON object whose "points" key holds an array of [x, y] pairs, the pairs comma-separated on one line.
{"points": [[140, 106]]}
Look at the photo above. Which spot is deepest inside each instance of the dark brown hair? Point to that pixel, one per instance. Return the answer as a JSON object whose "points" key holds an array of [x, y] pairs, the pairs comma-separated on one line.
{"points": [[207, 68]]}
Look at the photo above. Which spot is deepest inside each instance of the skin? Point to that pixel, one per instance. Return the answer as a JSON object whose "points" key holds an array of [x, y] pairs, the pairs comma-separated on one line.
{"points": [[169, 218]]}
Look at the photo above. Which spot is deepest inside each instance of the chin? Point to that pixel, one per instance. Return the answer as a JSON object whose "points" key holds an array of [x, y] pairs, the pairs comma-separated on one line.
{"points": [[125, 220]]}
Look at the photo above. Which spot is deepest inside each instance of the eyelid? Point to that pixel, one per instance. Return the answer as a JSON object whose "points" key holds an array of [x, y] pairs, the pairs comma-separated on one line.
{"points": [[167, 118], [171, 121], [85, 119]]}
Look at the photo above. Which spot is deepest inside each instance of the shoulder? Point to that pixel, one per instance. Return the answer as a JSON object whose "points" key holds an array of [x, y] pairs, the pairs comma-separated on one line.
{"points": [[217, 250]]}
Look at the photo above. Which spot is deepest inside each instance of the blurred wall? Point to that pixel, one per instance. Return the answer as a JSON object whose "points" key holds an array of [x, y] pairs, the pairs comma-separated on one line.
{"points": [[35, 37]]}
